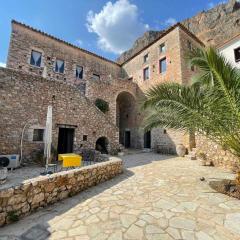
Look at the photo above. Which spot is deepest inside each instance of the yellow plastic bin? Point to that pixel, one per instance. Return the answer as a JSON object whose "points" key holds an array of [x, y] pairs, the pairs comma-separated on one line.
{"points": [[70, 159]]}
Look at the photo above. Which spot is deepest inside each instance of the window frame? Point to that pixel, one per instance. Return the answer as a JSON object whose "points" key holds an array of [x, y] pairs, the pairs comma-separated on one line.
{"points": [[43, 134], [37, 51], [237, 60], [160, 67], [144, 69], [96, 75], [59, 59], [146, 58], [77, 77], [160, 48]]}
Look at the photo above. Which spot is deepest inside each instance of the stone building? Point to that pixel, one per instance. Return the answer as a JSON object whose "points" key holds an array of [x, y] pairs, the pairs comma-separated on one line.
{"points": [[43, 70]]}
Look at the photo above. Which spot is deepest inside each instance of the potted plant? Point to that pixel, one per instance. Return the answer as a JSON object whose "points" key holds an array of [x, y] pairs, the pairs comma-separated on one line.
{"points": [[203, 158], [181, 150]]}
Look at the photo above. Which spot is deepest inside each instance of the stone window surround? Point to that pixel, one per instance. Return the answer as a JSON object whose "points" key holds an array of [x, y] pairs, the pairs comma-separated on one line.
{"points": [[75, 68], [237, 57], [29, 57], [146, 58], [145, 67], [159, 60], [31, 131], [94, 75], [159, 48], [54, 65]]}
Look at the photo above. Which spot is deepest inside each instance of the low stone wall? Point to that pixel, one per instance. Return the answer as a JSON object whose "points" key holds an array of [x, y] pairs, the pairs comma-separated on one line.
{"points": [[19, 201], [216, 154]]}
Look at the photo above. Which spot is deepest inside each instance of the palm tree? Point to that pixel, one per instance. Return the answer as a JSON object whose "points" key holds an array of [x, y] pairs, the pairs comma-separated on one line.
{"points": [[209, 106]]}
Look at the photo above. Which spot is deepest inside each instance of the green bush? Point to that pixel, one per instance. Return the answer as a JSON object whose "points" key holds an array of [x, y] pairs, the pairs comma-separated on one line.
{"points": [[12, 216], [102, 105]]}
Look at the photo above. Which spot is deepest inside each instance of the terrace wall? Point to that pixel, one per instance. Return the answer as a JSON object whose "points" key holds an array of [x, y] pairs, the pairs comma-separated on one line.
{"points": [[45, 190]]}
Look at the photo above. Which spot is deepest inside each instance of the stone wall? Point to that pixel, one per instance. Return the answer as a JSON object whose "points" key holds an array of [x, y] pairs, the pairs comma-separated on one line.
{"points": [[25, 98], [41, 191], [24, 39], [216, 154]]}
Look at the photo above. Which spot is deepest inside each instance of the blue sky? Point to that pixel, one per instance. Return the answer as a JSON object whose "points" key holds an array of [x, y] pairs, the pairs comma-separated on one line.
{"points": [[104, 27]]}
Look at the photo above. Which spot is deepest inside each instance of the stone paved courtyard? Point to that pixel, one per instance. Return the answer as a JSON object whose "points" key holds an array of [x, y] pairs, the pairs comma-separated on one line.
{"points": [[157, 197]]}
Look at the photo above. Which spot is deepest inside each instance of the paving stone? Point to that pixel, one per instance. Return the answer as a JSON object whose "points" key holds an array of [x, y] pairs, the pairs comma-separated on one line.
{"points": [[203, 236], [181, 208], [127, 219], [182, 223], [152, 229], [80, 230], [134, 232], [232, 222], [188, 235]]}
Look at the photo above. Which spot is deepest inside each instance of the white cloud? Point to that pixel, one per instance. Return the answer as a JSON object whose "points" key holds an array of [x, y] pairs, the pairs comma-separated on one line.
{"points": [[79, 42], [117, 26], [170, 21], [2, 64]]}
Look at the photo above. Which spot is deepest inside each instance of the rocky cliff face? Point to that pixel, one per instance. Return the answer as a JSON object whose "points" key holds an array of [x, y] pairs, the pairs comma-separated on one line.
{"points": [[216, 25], [213, 27]]}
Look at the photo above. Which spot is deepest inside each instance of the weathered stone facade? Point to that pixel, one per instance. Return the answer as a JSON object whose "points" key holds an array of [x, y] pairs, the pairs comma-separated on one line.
{"points": [[45, 190], [177, 42], [215, 153], [25, 39], [24, 98], [122, 87]]}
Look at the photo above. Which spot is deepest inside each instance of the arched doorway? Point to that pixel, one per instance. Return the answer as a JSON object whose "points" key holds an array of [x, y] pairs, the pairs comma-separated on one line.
{"points": [[102, 145], [126, 118]]}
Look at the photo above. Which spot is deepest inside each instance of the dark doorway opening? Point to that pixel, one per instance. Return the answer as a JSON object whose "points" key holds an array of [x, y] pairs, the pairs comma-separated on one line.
{"points": [[147, 139], [65, 140], [102, 145], [127, 139]]}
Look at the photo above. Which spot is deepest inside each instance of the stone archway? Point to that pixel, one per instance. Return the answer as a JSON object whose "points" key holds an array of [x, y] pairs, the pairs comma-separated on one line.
{"points": [[126, 118], [102, 145]]}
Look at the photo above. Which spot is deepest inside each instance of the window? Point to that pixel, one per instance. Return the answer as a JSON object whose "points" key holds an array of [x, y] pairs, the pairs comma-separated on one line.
{"points": [[163, 65], [36, 58], [162, 48], [146, 73], [79, 72], [145, 58], [237, 54], [96, 77], [85, 137], [59, 66], [38, 135], [189, 45]]}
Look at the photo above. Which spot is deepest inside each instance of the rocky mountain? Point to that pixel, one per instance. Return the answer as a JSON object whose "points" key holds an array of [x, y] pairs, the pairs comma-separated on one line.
{"points": [[213, 27]]}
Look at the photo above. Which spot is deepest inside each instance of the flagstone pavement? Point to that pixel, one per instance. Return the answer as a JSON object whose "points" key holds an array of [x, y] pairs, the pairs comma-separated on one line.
{"points": [[156, 198]]}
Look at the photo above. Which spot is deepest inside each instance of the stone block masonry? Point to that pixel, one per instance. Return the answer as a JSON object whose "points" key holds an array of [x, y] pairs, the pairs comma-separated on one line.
{"points": [[215, 153], [45, 190], [24, 98]]}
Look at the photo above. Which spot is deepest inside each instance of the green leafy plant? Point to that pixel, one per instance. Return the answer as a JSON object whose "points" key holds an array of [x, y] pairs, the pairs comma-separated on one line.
{"points": [[102, 105], [202, 156], [12, 216], [210, 106]]}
